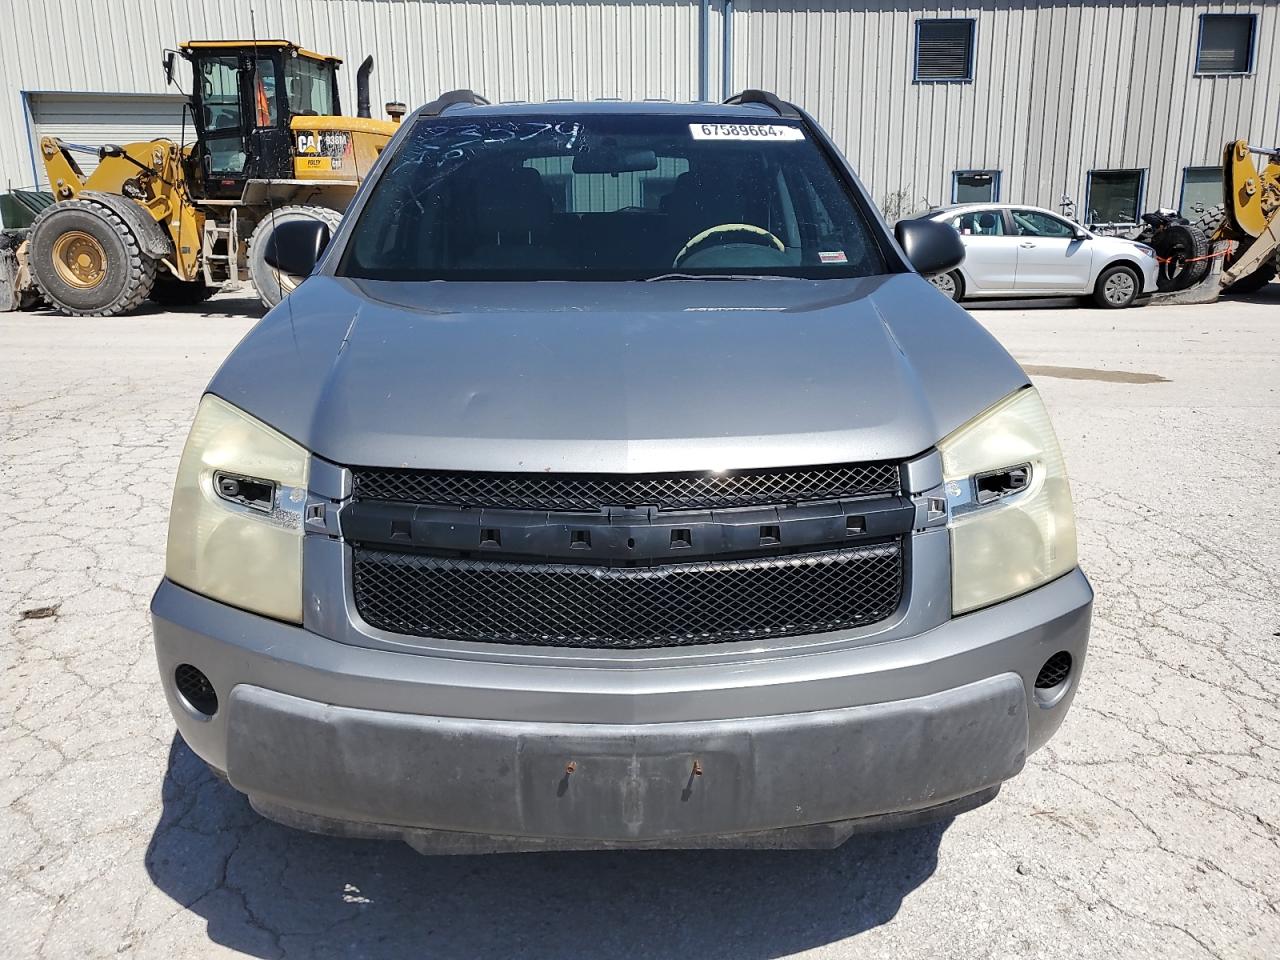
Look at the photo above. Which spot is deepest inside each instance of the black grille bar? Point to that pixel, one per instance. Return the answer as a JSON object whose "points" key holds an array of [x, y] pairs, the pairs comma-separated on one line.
{"points": [[618, 537], [565, 605], [590, 492]]}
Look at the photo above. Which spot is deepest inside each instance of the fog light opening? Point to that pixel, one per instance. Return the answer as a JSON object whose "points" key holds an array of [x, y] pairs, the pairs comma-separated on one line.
{"points": [[1052, 679], [195, 690]]}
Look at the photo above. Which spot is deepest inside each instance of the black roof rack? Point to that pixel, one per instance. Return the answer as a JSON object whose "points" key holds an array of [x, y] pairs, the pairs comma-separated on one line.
{"points": [[446, 100], [780, 107]]}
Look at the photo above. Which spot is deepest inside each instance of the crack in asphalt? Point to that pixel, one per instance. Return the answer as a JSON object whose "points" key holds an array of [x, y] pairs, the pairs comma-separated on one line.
{"points": [[1150, 823]]}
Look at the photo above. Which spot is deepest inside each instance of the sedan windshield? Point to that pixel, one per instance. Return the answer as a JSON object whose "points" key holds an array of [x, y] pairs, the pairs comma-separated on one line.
{"points": [[608, 197]]}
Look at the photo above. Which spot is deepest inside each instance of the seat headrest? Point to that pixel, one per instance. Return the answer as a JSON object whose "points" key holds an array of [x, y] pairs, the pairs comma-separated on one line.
{"points": [[511, 205]]}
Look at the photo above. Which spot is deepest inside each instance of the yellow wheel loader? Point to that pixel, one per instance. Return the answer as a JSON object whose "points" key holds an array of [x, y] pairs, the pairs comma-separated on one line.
{"points": [[1235, 245], [1250, 217], [174, 221]]}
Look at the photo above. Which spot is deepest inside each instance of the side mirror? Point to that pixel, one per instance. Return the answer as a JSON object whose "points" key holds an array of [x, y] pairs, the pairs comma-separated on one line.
{"points": [[167, 62], [295, 246], [932, 247]]}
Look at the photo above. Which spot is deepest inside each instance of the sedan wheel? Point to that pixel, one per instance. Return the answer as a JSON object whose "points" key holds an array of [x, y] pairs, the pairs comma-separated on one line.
{"points": [[949, 283], [1116, 288]]}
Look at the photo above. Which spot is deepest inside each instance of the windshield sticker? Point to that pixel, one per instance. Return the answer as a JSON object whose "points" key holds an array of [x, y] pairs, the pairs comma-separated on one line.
{"points": [[832, 256], [745, 131]]}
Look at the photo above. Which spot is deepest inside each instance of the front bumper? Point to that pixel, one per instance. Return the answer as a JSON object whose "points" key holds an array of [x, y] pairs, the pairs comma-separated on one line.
{"points": [[1150, 276], [333, 736]]}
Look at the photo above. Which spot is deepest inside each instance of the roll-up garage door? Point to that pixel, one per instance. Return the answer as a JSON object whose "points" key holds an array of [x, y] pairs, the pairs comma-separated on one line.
{"points": [[92, 119]]}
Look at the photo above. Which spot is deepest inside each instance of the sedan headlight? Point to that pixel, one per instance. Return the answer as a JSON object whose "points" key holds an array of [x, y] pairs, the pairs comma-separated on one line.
{"points": [[235, 531], [1012, 524]]}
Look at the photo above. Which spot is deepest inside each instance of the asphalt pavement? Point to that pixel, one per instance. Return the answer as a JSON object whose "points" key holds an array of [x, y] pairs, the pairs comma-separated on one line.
{"points": [[1149, 826]]}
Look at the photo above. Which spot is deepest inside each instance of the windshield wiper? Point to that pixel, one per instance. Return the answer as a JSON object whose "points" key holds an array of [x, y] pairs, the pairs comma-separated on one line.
{"points": [[714, 276]]}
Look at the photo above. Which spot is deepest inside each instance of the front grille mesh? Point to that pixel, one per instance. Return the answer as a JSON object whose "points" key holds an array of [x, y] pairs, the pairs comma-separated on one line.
{"points": [[562, 605], [587, 492]]}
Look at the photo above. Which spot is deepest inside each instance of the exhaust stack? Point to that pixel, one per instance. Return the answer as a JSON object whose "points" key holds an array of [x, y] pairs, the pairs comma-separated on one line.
{"points": [[362, 88]]}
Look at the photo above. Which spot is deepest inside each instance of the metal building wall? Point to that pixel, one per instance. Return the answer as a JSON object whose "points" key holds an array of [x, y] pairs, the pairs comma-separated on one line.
{"points": [[505, 49], [1059, 88]]}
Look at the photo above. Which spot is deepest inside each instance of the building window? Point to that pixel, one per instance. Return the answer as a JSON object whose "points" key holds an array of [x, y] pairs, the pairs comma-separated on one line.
{"points": [[1114, 196], [975, 186], [1201, 190], [1226, 43], [944, 50]]}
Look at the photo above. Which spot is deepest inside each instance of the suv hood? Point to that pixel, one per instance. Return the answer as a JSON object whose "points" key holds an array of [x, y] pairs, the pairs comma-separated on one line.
{"points": [[616, 377]]}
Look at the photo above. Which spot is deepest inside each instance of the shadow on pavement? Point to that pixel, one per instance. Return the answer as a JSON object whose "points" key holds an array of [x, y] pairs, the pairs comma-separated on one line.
{"points": [[237, 305], [269, 891], [1268, 294], [246, 305]]}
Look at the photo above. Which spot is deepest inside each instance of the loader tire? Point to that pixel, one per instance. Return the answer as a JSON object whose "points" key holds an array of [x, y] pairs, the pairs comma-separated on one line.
{"points": [[1212, 219], [1183, 252], [273, 286], [87, 262], [169, 291]]}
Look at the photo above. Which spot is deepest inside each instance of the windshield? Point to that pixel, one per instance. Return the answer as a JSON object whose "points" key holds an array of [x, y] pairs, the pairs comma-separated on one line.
{"points": [[607, 198]]}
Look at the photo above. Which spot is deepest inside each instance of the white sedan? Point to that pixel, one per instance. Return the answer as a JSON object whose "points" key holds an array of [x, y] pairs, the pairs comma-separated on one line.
{"points": [[1019, 251]]}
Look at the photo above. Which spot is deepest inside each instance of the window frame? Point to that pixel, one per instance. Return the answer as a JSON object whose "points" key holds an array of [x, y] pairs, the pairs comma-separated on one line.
{"points": [[1182, 189], [1250, 67], [973, 50], [996, 178], [1088, 193]]}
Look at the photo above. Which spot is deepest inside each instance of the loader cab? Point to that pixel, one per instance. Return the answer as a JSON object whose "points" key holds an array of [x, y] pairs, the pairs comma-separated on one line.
{"points": [[244, 96]]}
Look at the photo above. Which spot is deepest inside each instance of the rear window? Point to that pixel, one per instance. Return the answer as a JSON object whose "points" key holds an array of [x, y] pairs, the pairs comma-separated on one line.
{"points": [[606, 198]]}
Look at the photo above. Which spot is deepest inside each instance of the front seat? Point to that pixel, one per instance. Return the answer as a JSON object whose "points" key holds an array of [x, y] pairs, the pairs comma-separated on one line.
{"points": [[987, 224], [513, 215]]}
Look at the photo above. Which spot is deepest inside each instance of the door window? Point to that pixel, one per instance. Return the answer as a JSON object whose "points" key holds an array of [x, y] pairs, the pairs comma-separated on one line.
{"points": [[219, 82], [1033, 223], [981, 223], [218, 79]]}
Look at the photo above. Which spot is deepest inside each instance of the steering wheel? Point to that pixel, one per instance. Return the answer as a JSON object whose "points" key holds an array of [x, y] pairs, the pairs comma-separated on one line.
{"points": [[753, 233]]}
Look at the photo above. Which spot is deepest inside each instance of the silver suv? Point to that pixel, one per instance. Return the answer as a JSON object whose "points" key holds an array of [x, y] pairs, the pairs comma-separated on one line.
{"points": [[617, 480]]}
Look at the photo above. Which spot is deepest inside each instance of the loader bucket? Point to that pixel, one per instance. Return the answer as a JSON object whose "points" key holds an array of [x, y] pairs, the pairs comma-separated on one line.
{"points": [[1208, 289], [19, 207]]}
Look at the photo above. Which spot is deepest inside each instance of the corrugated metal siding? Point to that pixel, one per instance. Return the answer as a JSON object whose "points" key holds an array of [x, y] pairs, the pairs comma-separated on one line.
{"points": [[1059, 89], [506, 50]]}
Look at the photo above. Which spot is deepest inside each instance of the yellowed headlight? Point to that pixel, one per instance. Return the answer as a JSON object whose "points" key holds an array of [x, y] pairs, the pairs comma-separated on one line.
{"points": [[1021, 540], [245, 557]]}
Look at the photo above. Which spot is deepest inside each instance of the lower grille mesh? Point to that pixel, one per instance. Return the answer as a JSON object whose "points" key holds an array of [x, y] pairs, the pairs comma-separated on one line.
{"points": [[562, 605]]}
